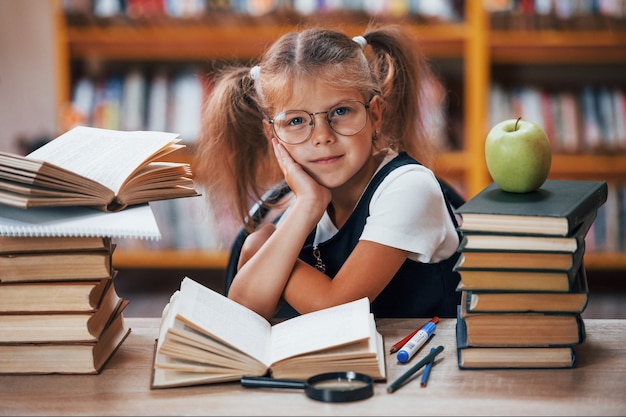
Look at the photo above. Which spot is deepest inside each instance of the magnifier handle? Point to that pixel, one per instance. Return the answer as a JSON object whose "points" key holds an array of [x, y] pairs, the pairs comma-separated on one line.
{"points": [[266, 382]]}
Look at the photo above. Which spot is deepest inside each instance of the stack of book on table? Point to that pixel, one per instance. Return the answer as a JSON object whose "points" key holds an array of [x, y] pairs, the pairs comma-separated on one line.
{"points": [[523, 277], [62, 205], [59, 309]]}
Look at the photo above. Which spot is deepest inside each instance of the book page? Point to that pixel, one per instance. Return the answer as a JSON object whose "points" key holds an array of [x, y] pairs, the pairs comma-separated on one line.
{"points": [[106, 156], [223, 319], [335, 326], [137, 222]]}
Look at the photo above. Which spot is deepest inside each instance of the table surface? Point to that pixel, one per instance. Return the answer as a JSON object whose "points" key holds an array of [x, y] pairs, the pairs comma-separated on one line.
{"points": [[597, 386]]}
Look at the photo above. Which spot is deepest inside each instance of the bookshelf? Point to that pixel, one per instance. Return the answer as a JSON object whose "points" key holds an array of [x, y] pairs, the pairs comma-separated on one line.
{"points": [[475, 50]]}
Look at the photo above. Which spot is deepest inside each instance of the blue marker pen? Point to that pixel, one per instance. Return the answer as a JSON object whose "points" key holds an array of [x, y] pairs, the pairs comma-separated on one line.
{"points": [[416, 342]]}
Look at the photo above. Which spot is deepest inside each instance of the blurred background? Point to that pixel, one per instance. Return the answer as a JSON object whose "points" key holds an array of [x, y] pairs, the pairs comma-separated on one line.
{"points": [[147, 64]]}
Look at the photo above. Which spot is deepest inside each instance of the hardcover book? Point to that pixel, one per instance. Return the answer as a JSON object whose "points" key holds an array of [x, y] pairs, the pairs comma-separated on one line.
{"points": [[519, 260], [60, 296], [513, 281], [556, 208], [103, 168], [55, 266], [62, 326], [479, 357], [64, 357], [25, 244], [521, 329], [205, 338], [574, 301], [477, 241]]}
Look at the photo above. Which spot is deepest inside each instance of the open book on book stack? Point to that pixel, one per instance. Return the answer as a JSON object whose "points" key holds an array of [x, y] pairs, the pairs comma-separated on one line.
{"points": [[207, 338], [59, 308], [103, 168], [523, 278]]}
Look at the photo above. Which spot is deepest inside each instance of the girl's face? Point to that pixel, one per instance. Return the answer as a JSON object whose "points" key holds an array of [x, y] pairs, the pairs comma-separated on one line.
{"points": [[332, 159]]}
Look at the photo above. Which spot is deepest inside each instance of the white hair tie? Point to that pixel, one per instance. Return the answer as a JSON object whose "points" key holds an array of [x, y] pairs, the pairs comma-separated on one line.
{"points": [[255, 72], [361, 41]]}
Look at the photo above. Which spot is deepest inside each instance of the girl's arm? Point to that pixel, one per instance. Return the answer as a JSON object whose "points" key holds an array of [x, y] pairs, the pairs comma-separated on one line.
{"points": [[260, 282], [366, 272]]}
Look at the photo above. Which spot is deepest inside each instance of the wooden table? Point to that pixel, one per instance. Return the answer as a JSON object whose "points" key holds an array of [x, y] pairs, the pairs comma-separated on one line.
{"points": [[597, 386]]}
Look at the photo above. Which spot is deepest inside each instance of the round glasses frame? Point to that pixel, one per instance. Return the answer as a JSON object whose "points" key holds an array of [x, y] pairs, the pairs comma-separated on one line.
{"points": [[311, 121]]}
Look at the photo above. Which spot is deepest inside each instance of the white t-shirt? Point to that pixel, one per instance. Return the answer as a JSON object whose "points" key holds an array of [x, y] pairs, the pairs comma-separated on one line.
{"points": [[407, 211]]}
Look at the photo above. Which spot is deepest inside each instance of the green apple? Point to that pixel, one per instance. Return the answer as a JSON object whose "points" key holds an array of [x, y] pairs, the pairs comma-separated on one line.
{"points": [[518, 155]]}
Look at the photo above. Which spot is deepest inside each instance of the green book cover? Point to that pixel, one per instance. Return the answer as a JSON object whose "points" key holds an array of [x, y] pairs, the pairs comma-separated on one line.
{"points": [[556, 208]]}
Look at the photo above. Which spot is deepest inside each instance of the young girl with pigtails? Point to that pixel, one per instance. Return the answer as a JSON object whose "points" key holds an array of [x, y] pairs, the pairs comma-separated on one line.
{"points": [[340, 120]]}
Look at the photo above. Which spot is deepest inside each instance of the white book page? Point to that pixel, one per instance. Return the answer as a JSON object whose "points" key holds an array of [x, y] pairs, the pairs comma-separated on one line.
{"points": [[334, 326], [106, 156], [224, 319], [137, 222]]}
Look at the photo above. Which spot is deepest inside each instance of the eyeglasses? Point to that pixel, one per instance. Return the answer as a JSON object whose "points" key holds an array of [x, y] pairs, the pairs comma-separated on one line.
{"points": [[346, 118]]}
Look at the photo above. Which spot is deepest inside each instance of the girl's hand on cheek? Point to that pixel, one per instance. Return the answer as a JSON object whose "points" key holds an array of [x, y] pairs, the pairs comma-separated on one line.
{"points": [[300, 182]]}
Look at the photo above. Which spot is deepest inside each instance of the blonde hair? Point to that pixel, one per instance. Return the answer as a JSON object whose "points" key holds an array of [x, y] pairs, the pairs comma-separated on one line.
{"points": [[234, 162]]}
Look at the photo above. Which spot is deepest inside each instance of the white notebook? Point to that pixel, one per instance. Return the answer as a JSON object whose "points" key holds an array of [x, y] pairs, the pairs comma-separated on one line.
{"points": [[136, 222]]}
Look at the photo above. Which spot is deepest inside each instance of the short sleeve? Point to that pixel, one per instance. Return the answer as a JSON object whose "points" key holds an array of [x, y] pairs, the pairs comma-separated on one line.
{"points": [[408, 211]]}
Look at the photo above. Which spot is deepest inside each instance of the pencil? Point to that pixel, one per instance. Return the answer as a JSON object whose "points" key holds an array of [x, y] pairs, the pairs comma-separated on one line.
{"points": [[428, 358], [427, 368], [403, 342]]}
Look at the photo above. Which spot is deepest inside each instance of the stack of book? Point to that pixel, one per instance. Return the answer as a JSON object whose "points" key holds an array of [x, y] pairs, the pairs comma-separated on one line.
{"points": [[59, 309], [523, 277], [61, 206], [58, 294]]}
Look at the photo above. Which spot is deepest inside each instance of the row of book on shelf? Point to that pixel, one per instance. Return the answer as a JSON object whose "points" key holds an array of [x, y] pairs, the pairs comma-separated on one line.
{"points": [[556, 14], [522, 275], [159, 100], [169, 100], [588, 119], [446, 10], [582, 120]]}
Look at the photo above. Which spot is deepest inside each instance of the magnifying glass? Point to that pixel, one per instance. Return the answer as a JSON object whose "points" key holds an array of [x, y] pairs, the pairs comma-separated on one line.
{"points": [[329, 387]]}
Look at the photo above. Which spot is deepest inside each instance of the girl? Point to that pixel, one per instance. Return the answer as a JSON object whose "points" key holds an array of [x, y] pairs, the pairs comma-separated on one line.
{"points": [[340, 120]]}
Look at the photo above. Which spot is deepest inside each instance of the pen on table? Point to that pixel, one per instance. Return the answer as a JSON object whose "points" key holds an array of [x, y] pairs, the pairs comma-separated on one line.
{"points": [[403, 342], [417, 341], [427, 368], [428, 358]]}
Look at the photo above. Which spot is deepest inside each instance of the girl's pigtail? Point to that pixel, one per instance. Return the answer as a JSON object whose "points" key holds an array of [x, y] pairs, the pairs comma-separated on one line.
{"points": [[402, 72], [233, 151]]}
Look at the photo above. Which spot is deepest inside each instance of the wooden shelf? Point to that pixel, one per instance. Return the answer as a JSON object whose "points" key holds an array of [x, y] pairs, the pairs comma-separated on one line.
{"points": [[581, 47], [195, 42], [605, 261], [600, 167], [170, 258], [196, 259]]}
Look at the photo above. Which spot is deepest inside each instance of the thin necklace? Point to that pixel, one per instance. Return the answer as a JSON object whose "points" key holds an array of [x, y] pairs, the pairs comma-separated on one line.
{"points": [[319, 264]]}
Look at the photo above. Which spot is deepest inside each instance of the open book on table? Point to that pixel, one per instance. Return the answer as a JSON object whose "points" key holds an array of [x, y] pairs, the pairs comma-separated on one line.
{"points": [[206, 338], [103, 168]]}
